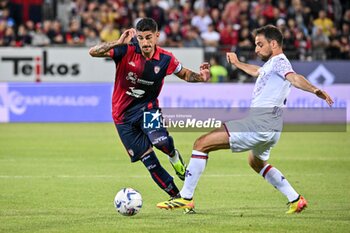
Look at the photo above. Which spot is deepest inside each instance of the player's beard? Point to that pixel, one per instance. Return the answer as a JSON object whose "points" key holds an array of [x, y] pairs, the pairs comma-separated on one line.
{"points": [[147, 50], [266, 57]]}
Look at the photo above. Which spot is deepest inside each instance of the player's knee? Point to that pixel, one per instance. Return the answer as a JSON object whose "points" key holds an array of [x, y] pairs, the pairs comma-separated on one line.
{"points": [[164, 143], [201, 144]]}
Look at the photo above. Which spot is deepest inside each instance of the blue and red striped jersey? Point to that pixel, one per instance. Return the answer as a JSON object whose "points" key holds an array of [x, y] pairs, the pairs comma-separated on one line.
{"points": [[138, 80]]}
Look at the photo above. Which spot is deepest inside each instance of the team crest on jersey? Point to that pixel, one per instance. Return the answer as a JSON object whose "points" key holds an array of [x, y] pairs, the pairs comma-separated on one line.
{"points": [[131, 152], [156, 69]]}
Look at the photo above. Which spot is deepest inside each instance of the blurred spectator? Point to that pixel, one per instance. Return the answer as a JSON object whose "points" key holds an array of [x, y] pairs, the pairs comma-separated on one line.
{"points": [[333, 50], [9, 38], [319, 43], [303, 46], [192, 38], [215, 15], [109, 33], [344, 47], [288, 44], [229, 37], [245, 46], [281, 24], [39, 38], [2, 32], [173, 35], [346, 17], [91, 37], [300, 13], [56, 34], [345, 29], [157, 13], [218, 72], [74, 36], [211, 39], [23, 38], [186, 12], [323, 22], [231, 12], [107, 14], [30, 27], [5, 16], [266, 9], [201, 20]]}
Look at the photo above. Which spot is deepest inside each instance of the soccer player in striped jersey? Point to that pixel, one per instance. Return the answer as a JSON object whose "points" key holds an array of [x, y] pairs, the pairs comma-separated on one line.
{"points": [[141, 67]]}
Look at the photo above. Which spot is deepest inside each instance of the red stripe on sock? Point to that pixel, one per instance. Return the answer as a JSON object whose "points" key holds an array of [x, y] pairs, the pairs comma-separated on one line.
{"points": [[199, 156], [159, 179], [267, 170]]}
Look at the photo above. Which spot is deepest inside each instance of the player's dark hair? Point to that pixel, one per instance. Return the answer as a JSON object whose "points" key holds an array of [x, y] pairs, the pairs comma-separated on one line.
{"points": [[147, 24], [271, 33]]}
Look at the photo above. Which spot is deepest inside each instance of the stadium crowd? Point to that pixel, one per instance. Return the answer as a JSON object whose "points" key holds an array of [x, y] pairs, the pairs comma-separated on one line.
{"points": [[313, 29]]}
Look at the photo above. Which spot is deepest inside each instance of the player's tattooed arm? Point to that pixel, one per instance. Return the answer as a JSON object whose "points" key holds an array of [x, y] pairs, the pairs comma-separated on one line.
{"points": [[103, 50], [191, 76]]}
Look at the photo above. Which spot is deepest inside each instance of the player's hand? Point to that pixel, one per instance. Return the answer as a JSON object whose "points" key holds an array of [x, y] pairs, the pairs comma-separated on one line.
{"points": [[205, 71], [127, 35], [232, 58], [323, 95]]}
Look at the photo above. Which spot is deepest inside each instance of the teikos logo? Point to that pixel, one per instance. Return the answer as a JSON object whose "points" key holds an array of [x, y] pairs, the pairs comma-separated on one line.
{"points": [[40, 65]]}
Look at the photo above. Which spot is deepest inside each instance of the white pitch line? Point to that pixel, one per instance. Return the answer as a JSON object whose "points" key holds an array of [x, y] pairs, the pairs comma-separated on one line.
{"points": [[125, 177]]}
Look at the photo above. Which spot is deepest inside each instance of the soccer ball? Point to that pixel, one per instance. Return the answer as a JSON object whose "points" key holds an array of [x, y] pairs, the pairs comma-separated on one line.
{"points": [[128, 202]]}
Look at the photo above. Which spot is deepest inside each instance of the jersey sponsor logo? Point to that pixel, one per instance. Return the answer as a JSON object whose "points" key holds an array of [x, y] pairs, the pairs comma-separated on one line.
{"points": [[137, 93], [132, 64], [132, 77]]}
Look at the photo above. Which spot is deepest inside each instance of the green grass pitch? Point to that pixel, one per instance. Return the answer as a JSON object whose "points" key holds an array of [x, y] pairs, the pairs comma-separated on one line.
{"points": [[63, 178]]}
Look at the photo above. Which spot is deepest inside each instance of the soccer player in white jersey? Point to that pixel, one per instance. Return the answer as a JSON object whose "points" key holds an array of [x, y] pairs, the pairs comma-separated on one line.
{"points": [[260, 131]]}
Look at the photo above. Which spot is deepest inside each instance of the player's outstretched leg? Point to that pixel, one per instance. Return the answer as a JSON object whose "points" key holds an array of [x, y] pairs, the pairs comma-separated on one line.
{"points": [[162, 141], [159, 174], [272, 175], [217, 139]]}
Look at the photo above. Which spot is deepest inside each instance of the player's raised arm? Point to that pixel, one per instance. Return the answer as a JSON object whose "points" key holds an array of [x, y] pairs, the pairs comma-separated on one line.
{"points": [[103, 49], [252, 70], [302, 83], [191, 76]]}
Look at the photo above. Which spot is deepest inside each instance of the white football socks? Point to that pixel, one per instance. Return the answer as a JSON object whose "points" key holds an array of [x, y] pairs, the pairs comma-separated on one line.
{"points": [[276, 178], [194, 170]]}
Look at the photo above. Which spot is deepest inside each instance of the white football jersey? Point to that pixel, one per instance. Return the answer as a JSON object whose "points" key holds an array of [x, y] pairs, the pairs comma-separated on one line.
{"points": [[271, 87]]}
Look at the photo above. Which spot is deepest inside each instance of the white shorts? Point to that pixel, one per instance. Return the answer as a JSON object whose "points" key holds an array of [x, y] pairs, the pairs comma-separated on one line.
{"points": [[244, 137]]}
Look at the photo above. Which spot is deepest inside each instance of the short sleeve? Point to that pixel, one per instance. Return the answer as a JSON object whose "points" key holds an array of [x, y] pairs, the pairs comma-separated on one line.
{"points": [[174, 66], [118, 52], [283, 67]]}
